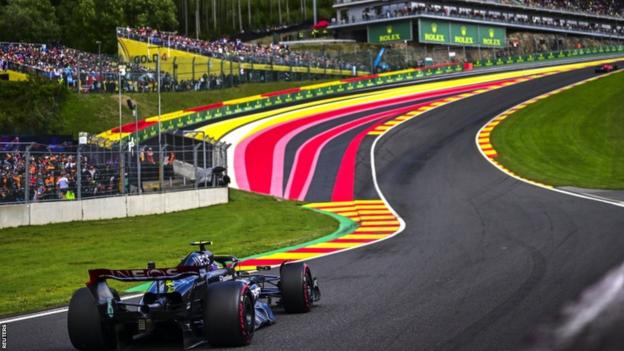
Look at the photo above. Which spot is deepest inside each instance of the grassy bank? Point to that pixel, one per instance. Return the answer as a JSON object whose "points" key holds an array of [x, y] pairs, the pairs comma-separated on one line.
{"points": [[95, 113], [574, 138], [42, 265]]}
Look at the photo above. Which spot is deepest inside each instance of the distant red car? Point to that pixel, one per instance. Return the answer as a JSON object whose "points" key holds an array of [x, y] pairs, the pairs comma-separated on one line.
{"points": [[606, 68]]}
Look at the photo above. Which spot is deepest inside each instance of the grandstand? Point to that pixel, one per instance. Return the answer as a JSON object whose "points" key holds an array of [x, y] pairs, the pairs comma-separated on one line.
{"points": [[474, 29], [186, 63], [187, 58]]}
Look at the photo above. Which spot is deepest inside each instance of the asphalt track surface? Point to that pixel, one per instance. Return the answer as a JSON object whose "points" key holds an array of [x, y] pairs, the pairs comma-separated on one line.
{"points": [[484, 259]]}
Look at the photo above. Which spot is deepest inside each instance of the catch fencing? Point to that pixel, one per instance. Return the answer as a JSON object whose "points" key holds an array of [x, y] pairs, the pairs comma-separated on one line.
{"points": [[31, 172]]}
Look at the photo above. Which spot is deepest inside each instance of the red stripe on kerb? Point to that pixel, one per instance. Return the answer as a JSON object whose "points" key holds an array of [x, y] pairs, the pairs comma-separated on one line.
{"points": [[352, 240], [281, 92], [205, 107], [314, 250], [131, 128], [261, 262]]}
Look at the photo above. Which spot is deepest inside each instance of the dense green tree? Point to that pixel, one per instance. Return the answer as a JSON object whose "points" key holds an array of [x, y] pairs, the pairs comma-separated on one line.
{"points": [[161, 14], [77, 19], [43, 98], [29, 21], [84, 22], [227, 17], [110, 15], [81, 23]]}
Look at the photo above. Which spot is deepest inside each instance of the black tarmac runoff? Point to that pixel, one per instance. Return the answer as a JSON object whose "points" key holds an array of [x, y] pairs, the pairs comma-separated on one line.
{"points": [[483, 261]]}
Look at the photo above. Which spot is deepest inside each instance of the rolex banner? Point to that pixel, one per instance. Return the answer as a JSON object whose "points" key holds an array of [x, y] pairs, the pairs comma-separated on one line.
{"points": [[460, 34], [492, 36], [390, 32], [464, 34]]}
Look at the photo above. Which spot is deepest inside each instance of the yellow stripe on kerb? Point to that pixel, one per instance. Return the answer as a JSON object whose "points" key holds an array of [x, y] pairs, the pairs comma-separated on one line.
{"points": [[364, 236], [334, 245], [289, 256]]}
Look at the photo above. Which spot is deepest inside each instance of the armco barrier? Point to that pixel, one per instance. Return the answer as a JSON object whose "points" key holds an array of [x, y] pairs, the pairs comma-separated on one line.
{"points": [[109, 207]]}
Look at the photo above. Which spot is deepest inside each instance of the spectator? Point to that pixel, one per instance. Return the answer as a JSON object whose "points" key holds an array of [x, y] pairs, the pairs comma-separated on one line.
{"points": [[52, 176]]}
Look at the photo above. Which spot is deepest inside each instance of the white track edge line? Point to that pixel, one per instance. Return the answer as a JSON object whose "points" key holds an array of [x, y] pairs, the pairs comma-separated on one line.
{"points": [[51, 312]]}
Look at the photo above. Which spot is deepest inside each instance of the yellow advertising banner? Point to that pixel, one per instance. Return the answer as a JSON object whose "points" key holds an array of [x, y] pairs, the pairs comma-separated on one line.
{"points": [[187, 66]]}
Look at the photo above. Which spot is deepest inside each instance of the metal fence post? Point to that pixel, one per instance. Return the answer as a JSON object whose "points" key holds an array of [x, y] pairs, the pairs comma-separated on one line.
{"points": [[138, 161], [161, 167], [205, 165], [231, 72], [222, 73], [27, 180], [214, 154], [214, 157], [195, 148], [225, 158], [122, 173], [79, 175], [193, 70], [175, 68]]}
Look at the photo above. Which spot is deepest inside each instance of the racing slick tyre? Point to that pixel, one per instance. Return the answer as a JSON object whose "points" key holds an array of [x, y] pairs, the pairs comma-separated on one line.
{"points": [[296, 287], [87, 330], [229, 314]]}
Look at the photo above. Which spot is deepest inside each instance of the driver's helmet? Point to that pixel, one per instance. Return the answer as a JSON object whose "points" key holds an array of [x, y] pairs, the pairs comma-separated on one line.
{"points": [[200, 259]]}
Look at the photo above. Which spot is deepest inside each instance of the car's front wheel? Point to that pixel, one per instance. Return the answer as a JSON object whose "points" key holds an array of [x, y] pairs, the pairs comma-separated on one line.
{"points": [[297, 287]]}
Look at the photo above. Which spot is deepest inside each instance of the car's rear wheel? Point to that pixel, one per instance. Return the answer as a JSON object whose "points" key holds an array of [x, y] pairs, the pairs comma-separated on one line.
{"points": [[296, 286], [229, 314], [87, 329]]}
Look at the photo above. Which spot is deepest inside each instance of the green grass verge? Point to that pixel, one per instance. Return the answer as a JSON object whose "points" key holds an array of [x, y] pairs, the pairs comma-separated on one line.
{"points": [[574, 138], [42, 265], [95, 113]]}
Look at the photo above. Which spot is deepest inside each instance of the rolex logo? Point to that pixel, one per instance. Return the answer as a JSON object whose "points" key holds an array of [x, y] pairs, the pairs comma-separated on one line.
{"points": [[434, 27], [389, 29], [464, 30], [491, 32]]}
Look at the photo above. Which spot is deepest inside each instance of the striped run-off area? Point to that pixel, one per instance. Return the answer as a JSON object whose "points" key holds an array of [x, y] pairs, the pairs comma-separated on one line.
{"points": [[375, 222]]}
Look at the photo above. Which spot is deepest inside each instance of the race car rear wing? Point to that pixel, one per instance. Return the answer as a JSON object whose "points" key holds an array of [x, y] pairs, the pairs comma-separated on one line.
{"points": [[138, 275]]}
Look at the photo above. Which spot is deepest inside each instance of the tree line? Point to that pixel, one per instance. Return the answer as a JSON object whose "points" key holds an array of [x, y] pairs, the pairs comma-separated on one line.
{"points": [[90, 24]]}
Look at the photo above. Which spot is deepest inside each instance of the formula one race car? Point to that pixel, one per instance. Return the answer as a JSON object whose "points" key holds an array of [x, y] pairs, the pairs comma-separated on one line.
{"points": [[204, 297], [606, 68]]}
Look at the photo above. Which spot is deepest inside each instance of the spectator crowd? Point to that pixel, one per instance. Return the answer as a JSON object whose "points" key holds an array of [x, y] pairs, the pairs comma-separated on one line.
{"points": [[99, 73], [52, 176], [613, 8], [63, 64], [234, 49]]}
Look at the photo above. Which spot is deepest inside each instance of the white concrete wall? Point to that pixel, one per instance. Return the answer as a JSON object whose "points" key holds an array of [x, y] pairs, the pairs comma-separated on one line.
{"points": [[145, 204], [54, 212], [14, 215], [104, 208], [109, 207]]}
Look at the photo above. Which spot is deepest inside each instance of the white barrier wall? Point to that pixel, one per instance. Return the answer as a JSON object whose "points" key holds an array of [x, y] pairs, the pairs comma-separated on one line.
{"points": [[109, 207]]}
